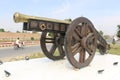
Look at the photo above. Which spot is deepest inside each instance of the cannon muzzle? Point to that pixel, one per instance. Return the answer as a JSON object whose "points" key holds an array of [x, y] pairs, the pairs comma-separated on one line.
{"points": [[18, 17]]}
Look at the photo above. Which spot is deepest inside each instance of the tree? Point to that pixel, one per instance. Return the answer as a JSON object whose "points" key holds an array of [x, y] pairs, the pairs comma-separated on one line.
{"points": [[118, 32], [113, 41], [106, 36], [17, 31], [2, 30], [7, 31]]}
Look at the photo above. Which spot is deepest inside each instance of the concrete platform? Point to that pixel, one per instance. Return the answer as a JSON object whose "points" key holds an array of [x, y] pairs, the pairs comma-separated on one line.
{"points": [[46, 69]]}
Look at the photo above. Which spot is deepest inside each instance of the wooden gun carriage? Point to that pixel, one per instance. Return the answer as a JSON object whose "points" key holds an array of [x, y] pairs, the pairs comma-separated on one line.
{"points": [[77, 39]]}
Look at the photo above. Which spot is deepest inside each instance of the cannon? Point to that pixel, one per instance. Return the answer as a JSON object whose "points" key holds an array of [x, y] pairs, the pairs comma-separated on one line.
{"points": [[77, 39]]}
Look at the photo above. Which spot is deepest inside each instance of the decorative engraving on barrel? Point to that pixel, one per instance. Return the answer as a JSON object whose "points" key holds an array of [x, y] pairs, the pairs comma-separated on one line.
{"points": [[33, 24], [62, 27], [56, 26], [42, 26], [49, 26]]}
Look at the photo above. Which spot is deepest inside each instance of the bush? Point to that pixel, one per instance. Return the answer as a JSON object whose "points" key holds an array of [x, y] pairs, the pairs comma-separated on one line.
{"points": [[2, 30], [32, 38]]}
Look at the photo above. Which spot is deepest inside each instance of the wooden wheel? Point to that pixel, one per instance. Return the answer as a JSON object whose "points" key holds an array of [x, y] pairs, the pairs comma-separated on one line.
{"points": [[80, 42], [52, 45]]}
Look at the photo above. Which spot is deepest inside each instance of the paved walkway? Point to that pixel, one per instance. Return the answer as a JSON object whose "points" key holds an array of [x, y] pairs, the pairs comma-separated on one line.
{"points": [[46, 69]]}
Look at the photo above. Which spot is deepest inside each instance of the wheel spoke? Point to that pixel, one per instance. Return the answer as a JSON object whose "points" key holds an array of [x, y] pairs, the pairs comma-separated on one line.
{"points": [[75, 47], [76, 36], [76, 51], [82, 56], [90, 51], [88, 29], [78, 32], [60, 48], [90, 43], [83, 30], [53, 48], [49, 40], [55, 35]]}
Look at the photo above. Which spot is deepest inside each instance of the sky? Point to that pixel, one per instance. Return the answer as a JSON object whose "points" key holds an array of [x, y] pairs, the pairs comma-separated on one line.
{"points": [[104, 14]]}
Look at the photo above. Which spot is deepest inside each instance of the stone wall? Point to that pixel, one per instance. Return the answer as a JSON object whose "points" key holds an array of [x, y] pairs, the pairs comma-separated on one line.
{"points": [[9, 36]]}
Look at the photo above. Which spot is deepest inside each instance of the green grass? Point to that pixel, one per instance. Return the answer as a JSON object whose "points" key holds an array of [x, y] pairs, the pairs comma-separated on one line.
{"points": [[56, 53], [115, 49], [36, 55], [31, 56], [22, 57]]}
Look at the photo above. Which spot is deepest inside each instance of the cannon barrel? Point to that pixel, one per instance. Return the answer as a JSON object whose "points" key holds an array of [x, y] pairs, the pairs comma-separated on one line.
{"points": [[18, 17]]}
